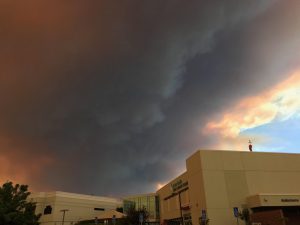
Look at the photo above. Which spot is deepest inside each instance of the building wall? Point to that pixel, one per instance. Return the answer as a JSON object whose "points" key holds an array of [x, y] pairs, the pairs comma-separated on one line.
{"points": [[221, 180], [169, 203], [41, 202], [197, 194], [80, 207], [230, 177]]}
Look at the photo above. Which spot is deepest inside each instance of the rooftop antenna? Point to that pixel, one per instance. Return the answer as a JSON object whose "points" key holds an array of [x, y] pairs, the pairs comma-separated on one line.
{"points": [[250, 146]]}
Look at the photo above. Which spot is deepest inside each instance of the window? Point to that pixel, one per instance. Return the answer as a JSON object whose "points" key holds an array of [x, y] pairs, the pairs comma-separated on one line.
{"points": [[48, 210], [99, 209]]}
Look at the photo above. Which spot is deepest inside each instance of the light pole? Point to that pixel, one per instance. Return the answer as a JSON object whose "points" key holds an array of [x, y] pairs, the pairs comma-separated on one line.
{"points": [[63, 217], [180, 207]]}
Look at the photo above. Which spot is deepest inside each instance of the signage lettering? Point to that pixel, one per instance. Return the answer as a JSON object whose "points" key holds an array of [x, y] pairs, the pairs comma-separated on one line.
{"points": [[179, 185], [289, 200]]}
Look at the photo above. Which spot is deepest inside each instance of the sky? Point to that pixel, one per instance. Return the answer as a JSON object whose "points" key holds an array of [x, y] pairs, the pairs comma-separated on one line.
{"points": [[110, 97]]}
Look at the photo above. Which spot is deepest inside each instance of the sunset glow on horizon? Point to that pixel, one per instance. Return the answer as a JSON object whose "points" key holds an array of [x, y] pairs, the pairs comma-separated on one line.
{"points": [[280, 103]]}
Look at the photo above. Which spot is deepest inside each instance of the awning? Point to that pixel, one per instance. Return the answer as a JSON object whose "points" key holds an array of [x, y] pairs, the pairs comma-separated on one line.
{"points": [[109, 214]]}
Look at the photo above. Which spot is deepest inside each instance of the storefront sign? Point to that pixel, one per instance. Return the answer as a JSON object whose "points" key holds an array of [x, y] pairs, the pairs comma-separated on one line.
{"points": [[289, 200], [269, 200], [178, 185]]}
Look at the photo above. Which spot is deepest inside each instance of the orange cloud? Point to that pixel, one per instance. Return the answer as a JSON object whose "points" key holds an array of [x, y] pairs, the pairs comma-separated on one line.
{"points": [[17, 166], [279, 103]]}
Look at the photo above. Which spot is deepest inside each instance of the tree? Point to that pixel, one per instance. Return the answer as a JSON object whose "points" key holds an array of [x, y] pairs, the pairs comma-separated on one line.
{"points": [[203, 222], [120, 209], [14, 207], [133, 215], [245, 216]]}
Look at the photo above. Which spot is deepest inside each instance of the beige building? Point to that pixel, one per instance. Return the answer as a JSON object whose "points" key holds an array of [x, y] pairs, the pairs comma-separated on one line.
{"points": [[216, 182], [77, 207]]}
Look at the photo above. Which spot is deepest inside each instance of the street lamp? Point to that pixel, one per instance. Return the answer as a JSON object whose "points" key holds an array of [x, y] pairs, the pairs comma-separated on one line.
{"points": [[180, 207], [63, 217]]}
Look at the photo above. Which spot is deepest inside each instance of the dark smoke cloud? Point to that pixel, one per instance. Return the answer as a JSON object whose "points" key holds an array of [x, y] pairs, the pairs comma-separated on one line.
{"points": [[108, 97]]}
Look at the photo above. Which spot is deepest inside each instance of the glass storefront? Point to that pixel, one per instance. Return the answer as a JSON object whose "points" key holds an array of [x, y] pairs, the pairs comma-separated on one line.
{"points": [[149, 202]]}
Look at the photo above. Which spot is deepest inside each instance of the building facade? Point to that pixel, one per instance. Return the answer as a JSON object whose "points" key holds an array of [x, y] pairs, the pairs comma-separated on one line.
{"points": [[72, 208], [219, 185]]}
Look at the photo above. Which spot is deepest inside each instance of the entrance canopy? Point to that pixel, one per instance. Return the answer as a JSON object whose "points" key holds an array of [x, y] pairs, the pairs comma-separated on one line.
{"points": [[110, 214], [269, 200]]}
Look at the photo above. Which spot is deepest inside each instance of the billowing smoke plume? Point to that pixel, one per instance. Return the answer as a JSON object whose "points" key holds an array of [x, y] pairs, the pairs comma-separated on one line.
{"points": [[109, 97]]}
